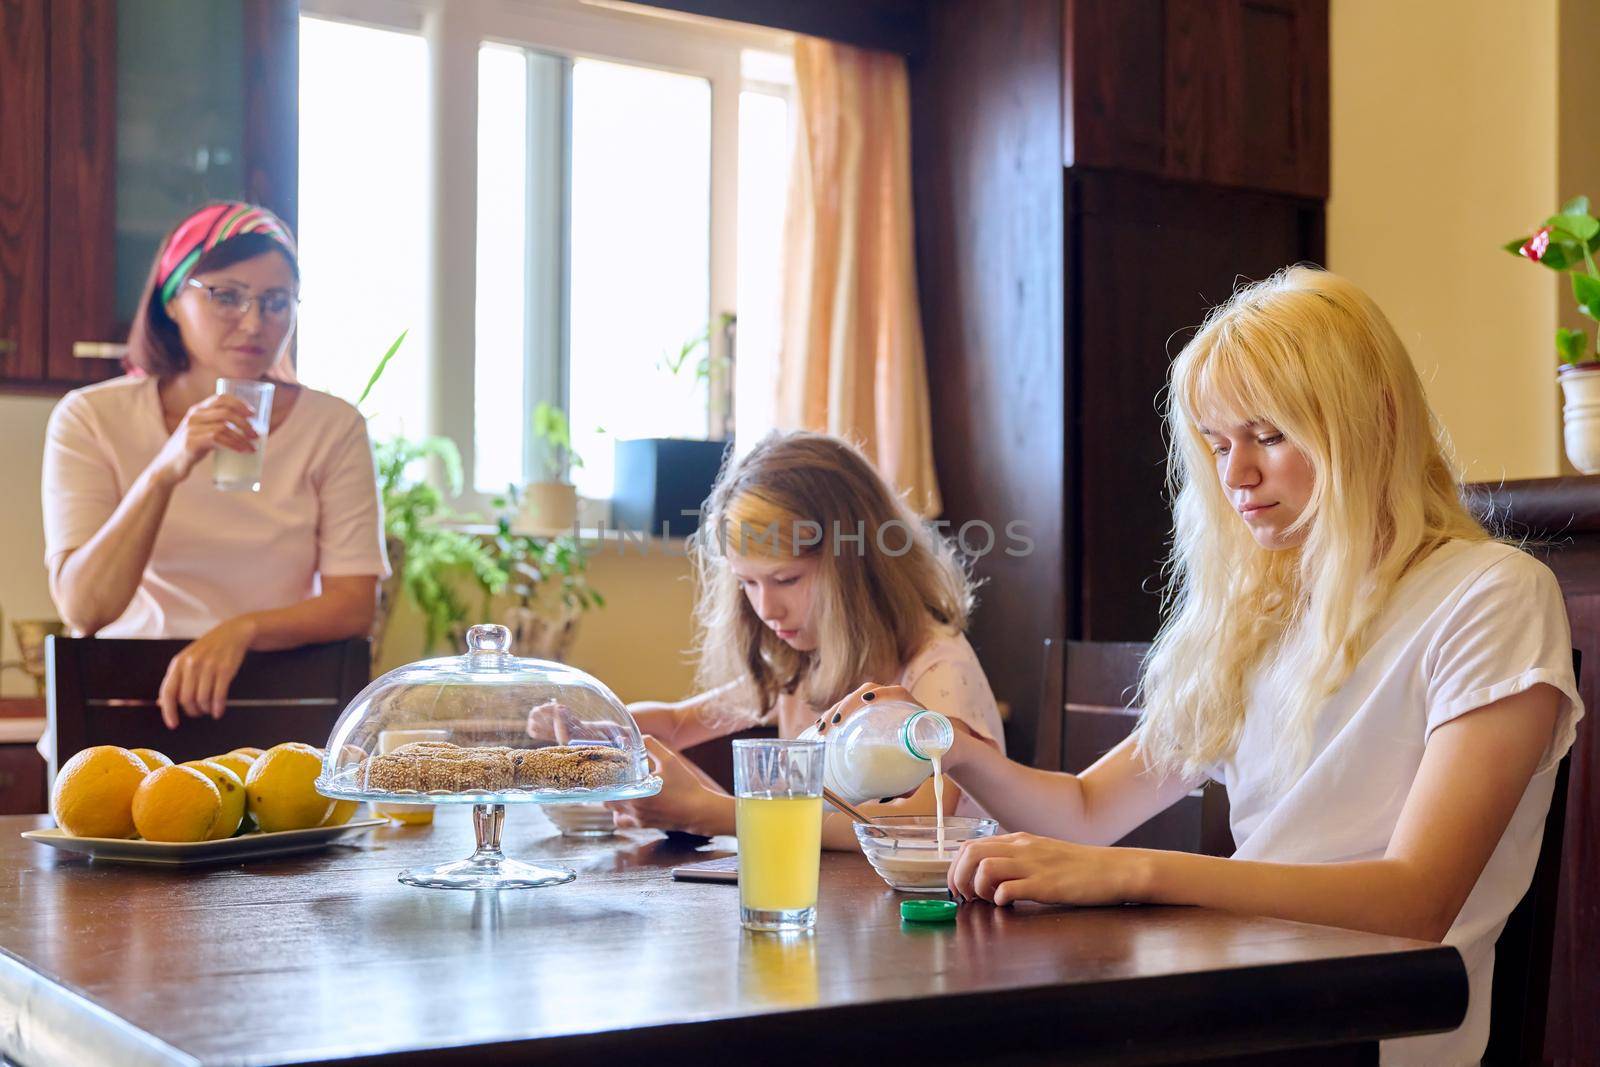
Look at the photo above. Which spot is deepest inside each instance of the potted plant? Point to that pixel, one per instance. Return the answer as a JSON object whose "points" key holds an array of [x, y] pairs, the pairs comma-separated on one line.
{"points": [[428, 560], [660, 479], [1567, 242], [548, 580], [550, 507]]}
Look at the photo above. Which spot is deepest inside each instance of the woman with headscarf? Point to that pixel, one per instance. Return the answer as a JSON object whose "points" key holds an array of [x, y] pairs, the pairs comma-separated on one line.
{"points": [[139, 545]]}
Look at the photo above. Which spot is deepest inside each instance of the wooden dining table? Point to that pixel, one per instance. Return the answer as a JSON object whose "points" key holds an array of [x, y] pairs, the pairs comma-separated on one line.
{"points": [[325, 957]]}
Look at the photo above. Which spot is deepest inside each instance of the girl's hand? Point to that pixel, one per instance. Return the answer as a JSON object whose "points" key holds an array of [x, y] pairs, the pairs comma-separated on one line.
{"points": [[865, 697], [685, 802], [197, 679], [1016, 867], [556, 723], [215, 422]]}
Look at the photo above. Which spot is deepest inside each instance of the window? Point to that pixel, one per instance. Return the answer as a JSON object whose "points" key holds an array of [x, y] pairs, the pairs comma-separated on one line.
{"points": [[629, 195], [363, 217]]}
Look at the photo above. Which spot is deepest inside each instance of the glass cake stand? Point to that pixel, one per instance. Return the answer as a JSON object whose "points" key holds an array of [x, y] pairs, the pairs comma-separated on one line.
{"points": [[549, 734]]}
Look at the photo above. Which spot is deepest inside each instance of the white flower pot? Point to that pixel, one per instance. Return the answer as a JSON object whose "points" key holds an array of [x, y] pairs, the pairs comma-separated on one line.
{"points": [[1580, 415], [549, 509]]}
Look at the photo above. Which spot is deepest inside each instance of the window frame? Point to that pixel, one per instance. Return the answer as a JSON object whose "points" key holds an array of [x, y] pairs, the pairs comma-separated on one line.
{"points": [[573, 29]]}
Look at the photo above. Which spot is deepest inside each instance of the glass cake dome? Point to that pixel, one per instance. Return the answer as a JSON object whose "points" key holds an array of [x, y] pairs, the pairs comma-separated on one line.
{"points": [[488, 729]]}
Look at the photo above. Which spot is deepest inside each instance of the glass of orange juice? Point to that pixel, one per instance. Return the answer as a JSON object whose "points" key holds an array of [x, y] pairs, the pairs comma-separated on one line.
{"points": [[410, 814], [777, 788]]}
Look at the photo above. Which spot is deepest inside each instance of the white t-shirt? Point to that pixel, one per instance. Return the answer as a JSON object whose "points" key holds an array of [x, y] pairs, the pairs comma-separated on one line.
{"points": [[1473, 623], [218, 554]]}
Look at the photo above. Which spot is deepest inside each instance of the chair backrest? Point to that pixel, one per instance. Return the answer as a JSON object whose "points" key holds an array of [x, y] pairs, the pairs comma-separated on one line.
{"points": [[103, 692], [1520, 1001], [1099, 681]]}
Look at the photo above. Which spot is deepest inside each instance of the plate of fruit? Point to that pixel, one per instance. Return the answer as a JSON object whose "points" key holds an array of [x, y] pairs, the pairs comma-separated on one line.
{"points": [[136, 805]]}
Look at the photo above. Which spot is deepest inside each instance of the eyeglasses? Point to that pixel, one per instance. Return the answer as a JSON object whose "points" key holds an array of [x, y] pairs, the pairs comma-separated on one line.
{"points": [[234, 304]]}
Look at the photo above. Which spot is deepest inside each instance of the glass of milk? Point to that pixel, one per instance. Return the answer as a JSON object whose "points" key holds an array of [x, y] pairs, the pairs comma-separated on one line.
{"points": [[242, 470]]}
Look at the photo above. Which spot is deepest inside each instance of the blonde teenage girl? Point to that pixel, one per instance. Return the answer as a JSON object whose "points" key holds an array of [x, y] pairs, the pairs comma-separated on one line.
{"points": [[1384, 689]]}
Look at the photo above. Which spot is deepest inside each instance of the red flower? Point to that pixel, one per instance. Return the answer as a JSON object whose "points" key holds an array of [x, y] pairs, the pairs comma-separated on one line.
{"points": [[1537, 245]]}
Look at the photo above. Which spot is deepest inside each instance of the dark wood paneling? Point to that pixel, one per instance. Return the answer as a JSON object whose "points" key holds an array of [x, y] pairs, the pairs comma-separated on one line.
{"points": [[82, 170], [1225, 92], [1114, 96], [21, 780], [1128, 322], [24, 40], [272, 99], [987, 184], [891, 25]]}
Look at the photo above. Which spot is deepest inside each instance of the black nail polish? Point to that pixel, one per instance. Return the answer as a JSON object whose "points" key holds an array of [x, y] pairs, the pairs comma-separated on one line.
{"points": [[836, 716], [868, 696]]}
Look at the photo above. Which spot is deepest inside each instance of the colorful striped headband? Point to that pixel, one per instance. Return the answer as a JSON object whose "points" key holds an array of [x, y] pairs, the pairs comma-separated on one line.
{"points": [[208, 228]]}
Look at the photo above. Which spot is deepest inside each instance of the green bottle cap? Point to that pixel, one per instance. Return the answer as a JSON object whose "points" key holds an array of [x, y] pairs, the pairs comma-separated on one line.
{"points": [[928, 911]]}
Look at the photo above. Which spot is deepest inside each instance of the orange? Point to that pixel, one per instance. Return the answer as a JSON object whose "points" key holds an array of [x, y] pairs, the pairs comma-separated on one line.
{"points": [[253, 753], [152, 759], [93, 794], [279, 790], [237, 762], [343, 811], [232, 789], [176, 804]]}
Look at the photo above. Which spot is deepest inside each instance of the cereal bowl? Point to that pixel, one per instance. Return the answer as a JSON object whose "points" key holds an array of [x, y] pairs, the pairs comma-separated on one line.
{"points": [[582, 820], [903, 849]]}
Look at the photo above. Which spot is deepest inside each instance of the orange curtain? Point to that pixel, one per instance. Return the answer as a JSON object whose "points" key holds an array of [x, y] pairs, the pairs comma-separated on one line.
{"points": [[851, 361]]}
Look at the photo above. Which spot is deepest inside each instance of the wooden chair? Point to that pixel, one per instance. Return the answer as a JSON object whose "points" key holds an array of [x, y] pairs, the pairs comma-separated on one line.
{"points": [[1098, 680], [103, 692], [1522, 956]]}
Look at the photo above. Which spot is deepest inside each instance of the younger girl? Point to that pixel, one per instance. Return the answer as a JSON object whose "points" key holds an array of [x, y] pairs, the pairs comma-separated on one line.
{"points": [[813, 578], [1384, 690]]}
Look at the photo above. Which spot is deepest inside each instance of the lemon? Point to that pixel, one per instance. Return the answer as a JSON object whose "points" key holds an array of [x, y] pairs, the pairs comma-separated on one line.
{"points": [[253, 753], [93, 794], [232, 790], [152, 759], [176, 804], [237, 762], [279, 790]]}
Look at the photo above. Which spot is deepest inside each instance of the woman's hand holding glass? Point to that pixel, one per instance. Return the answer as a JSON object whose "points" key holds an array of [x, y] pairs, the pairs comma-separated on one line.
{"points": [[215, 422]]}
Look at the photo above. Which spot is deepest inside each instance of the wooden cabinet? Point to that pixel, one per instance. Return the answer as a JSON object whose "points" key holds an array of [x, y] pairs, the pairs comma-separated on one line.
{"points": [[1226, 92], [23, 27], [117, 117]]}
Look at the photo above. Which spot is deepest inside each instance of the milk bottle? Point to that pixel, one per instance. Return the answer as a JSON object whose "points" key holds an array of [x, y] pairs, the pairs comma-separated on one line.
{"points": [[883, 750]]}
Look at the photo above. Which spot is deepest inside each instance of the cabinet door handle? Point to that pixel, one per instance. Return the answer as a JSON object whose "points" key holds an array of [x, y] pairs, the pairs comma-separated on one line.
{"points": [[99, 349]]}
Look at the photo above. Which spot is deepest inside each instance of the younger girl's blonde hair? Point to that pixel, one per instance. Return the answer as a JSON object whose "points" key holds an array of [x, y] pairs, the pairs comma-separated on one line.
{"points": [[1310, 354], [884, 576]]}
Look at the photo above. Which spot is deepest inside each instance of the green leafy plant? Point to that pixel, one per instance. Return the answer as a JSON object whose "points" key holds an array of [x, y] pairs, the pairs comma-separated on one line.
{"points": [[550, 426], [435, 559], [543, 573], [1567, 242], [675, 363]]}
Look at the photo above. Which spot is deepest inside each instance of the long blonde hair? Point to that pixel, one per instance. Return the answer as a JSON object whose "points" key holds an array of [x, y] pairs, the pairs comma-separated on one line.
{"points": [[885, 576], [1309, 353]]}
